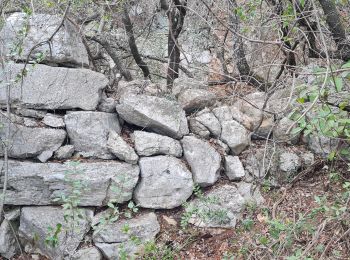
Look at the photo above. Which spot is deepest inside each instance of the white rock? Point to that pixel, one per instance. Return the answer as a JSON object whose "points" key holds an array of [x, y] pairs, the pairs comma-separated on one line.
{"points": [[53, 121], [234, 168], [120, 148], [147, 144]]}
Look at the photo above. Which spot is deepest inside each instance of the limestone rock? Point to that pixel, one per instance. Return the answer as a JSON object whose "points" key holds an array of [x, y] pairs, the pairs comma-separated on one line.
{"points": [[89, 253], [88, 132], [165, 183], [289, 162], [250, 193], [280, 131], [64, 152], [159, 114], [39, 184], [223, 113], [8, 244], [209, 120], [147, 144], [112, 238], [46, 87], [66, 46], [203, 160], [235, 136], [182, 84], [120, 148], [30, 122], [321, 145], [221, 207], [44, 156], [27, 142], [234, 168], [106, 104], [34, 224], [195, 99], [53, 121], [198, 129]]}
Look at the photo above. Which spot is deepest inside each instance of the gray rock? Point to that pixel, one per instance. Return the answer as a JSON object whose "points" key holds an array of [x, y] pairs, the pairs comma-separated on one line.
{"points": [[35, 222], [165, 183], [120, 148], [113, 237], [234, 168], [182, 84], [106, 104], [223, 113], [44, 156], [66, 46], [308, 158], [198, 129], [259, 162], [280, 131], [196, 99], [89, 253], [27, 142], [235, 136], [39, 184], [30, 122], [46, 87], [289, 162], [53, 121], [147, 144], [221, 146], [38, 114], [203, 160], [209, 120], [8, 244], [88, 132], [64, 152], [250, 193], [221, 207], [321, 145], [159, 114]]}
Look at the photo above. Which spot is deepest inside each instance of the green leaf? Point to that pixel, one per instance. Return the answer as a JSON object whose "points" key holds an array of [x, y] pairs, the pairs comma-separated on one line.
{"points": [[331, 156], [338, 84]]}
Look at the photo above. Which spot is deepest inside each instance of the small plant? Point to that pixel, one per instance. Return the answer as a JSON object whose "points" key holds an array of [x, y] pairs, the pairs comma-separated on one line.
{"points": [[203, 210]]}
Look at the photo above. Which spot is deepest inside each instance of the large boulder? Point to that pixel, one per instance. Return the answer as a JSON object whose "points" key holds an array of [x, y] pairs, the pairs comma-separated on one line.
{"points": [[158, 114], [40, 184], [27, 142], [66, 46], [88, 132], [165, 183], [203, 159], [120, 148], [39, 223], [46, 87], [147, 144], [113, 238]]}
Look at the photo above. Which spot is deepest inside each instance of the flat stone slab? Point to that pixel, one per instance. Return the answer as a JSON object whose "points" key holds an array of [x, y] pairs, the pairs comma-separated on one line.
{"points": [[30, 142], [66, 46], [46, 87], [158, 114], [40, 183], [147, 144]]}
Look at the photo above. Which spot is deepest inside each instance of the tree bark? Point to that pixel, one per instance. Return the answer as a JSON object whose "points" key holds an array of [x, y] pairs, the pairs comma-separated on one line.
{"points": [[176, 18], [132, 43]]}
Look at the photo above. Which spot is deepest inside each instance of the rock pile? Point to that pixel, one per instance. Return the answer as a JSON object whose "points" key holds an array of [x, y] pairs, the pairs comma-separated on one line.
{"points": [[60, 116]]}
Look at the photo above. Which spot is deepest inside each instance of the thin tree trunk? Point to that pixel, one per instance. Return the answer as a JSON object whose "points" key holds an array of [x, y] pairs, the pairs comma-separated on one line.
{"points": [[132, 43]]}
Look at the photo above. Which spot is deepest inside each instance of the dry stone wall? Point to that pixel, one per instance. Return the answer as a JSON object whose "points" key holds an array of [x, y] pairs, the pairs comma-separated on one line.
{"points": [[60, 115]]}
